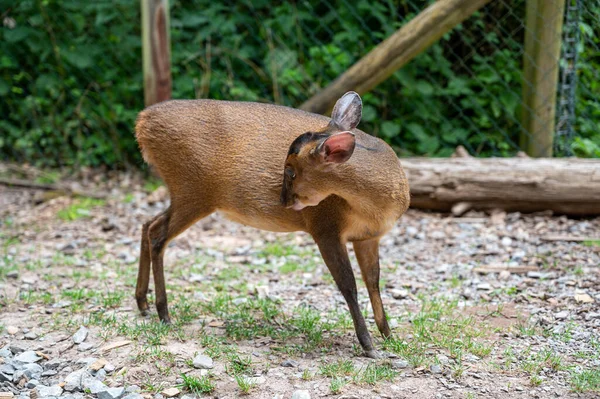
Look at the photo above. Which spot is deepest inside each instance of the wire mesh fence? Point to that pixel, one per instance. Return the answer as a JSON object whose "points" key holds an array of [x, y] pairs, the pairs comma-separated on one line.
{"points": [[71, 81]]}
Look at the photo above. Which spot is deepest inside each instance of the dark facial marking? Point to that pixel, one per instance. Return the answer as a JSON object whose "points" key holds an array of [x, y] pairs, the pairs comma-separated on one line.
{"points": [[304, 139], [368, 148]]}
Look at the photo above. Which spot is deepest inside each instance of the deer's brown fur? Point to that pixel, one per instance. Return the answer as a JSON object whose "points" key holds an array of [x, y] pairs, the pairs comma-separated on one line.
{"points": [[230, 157]]}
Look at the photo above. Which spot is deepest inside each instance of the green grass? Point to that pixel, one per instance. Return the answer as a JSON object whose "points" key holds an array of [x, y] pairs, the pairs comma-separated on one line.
{"points": [[440, 325], [592, 243], [197, 385], [238, 364], [244, 384], [152, 184], [585, 380], [79, 209], [374, 373], [339, 368], [336, 384]]}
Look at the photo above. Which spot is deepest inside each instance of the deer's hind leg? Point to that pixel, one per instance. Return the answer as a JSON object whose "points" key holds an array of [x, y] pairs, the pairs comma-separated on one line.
{"points": [[141, 290], [156, 234]]}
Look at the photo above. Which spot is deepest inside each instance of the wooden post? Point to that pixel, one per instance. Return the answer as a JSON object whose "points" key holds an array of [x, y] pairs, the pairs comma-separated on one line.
{"points": [[156, 51], [543, 32], [397, 50]]}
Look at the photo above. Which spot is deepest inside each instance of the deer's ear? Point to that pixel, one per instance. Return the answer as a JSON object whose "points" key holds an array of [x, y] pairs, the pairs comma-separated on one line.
{"points": [[337, 148], [347, 111]]}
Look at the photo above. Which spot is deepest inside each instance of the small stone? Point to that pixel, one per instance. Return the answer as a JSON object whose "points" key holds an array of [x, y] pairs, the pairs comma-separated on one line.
{"points": [[74, 381], [12, 330], [484, 286], [132, 388], [393, 323], [100, 375], [80, 335], [28, 357], [16, 349], [44, 391], [289, 363], [33, 371], [53, 364], [504, 275], [111, 393], [49, 373], [5, 377], [12, 274], [239, 301], [400, 364], [86, 360], [435, 369], [399, 294], [5, 353], [584, 298], [519, 389], [443, 359], [262, 291], [109, 367], [98, 364], [562, 315], [7, 369], [134, 396], [203, 362], [301, 394], [171, 392], [536, 275], [507, 241], [31, 336], [32, 384], [93, 385], [84, 347]]}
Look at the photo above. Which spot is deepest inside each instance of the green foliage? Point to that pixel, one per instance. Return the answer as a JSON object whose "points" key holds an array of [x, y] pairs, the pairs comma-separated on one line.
{"points": [[79, 209], [71, 73]]}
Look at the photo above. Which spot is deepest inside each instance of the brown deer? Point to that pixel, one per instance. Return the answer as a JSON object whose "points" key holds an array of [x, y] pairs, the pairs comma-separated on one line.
{"points": [[339, 185]]}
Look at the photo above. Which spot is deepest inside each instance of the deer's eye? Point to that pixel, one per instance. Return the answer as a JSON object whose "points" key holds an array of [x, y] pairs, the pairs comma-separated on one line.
{"points": [[289, 172]]}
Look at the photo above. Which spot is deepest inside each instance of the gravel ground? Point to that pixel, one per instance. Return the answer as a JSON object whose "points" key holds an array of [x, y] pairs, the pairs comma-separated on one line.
{"points": [[482, 306]]}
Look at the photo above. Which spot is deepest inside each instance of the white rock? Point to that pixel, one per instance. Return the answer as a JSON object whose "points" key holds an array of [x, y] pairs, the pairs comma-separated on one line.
{"points": [[111, 393], [203, 362], [171, 392], [301, 394], [93, 385], [84, 346], [484, 286], [28, 357], [109, 367], [562, 315], [399, 294], [80, 335], [74, 381], [44, 391], [262, 291], [12, 330]]}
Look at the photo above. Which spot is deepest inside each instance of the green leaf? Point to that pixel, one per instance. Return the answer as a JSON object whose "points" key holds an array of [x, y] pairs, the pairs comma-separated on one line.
{"points": [[390, 129], [17, 34], [79, 59], [369, 114], [423, 87]]}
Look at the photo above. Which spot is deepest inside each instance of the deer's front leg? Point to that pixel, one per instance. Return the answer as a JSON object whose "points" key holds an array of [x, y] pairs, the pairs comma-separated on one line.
{"points": [[336, 258]]}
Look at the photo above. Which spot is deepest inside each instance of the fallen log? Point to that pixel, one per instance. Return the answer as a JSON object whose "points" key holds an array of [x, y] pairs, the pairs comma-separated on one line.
{"points": [[568, 186]]}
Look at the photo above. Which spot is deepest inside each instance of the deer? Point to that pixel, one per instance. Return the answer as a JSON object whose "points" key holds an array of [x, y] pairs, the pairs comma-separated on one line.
{"points": [[279, 169]]}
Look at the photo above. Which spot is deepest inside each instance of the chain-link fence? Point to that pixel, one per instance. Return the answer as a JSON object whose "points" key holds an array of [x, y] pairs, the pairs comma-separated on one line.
{"points": [[71, 79]]}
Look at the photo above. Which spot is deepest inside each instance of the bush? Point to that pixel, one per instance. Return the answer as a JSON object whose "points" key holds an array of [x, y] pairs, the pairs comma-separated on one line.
{"points": [[71, 74]]}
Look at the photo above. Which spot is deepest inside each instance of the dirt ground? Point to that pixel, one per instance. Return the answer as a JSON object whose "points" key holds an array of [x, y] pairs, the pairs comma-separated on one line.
{"points": [[482, 306]]}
